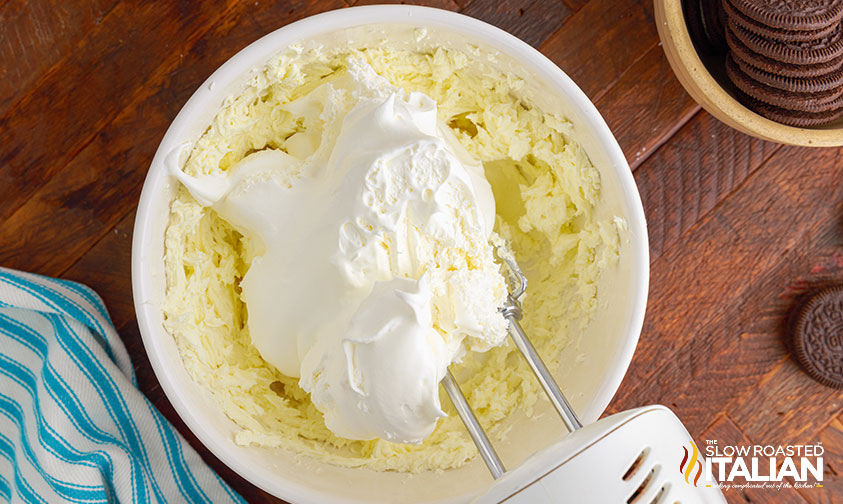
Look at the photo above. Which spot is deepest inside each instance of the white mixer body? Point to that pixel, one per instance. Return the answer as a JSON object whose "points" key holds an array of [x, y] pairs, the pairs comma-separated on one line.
{"points": [[640, 456]]}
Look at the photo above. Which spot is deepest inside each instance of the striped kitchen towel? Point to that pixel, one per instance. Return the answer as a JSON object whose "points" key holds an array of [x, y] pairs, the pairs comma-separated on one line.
{"points": [[73, 425]]}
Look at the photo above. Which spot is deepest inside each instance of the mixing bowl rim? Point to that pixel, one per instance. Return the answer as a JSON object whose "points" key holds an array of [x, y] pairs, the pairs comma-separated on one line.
{"points": [[272, 43]]}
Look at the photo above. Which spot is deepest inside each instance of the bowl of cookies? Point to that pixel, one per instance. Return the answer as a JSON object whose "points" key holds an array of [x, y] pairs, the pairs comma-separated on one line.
{"points": [[771, 69]]}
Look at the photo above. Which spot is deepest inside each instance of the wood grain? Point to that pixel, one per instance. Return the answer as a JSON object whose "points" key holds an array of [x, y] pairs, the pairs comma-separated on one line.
{"points": [[630, 81], [690, 174], [533, 22], [799, 412], [601, 41], [37, 35], [104, 76], [717, 265], [105, 268], [832, 440], [439, 4], [745, 346], [801, 406], [645, 106], [77, 205], [575, 5]]}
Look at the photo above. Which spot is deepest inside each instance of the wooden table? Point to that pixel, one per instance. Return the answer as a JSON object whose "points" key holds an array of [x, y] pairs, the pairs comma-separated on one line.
{"points": [[740, 229]]}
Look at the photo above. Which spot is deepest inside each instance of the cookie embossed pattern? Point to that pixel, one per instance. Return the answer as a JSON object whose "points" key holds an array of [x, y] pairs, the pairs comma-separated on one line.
{"points": [[792, 14], [762, 29], [817, 342]]}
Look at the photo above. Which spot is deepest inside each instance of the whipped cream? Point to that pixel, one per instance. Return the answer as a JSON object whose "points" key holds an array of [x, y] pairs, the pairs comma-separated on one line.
{"points": [[372, 270]]}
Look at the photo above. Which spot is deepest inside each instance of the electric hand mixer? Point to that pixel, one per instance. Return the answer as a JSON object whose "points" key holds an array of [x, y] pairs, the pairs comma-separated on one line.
{"points": [[631, 457]]}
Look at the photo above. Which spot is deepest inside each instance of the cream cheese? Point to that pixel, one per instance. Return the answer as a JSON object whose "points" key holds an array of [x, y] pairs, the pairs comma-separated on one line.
{"points": [[545, 196], [372, 268]]}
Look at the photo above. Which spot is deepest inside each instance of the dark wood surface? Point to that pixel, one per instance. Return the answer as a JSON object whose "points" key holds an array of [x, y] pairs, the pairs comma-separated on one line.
{"points": [[741, 230]]}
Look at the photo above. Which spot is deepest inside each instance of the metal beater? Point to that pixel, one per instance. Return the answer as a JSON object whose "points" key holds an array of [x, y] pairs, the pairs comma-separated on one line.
{"points": [[634, 456], [511, 311]]}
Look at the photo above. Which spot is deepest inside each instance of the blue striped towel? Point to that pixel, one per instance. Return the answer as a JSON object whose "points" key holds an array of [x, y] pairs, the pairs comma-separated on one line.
{"points": [[73, 425]]}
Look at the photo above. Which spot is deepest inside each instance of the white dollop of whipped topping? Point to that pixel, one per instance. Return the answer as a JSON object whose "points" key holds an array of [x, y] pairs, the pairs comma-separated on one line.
{"points": [[372, 268]]}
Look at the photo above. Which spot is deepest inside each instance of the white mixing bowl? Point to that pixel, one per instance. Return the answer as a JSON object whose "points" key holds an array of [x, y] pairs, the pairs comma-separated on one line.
{"points": [[607, 345]]}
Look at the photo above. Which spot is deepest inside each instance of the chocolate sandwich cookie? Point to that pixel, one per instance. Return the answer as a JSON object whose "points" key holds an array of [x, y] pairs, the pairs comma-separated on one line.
{"points": [[826, 82], [818, 337], [693, 18], [821, 50], [743, 53], [767, 32], [714, 24], [796, 118], [790, 117], [794, 15], [808, 102]]}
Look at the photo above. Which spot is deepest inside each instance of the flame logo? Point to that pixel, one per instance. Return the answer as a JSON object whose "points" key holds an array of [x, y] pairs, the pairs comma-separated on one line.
{"points": [[686, 467]]}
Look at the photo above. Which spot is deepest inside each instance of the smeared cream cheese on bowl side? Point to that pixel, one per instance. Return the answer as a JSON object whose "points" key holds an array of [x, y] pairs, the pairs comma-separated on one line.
{"points": [[563, 198]]}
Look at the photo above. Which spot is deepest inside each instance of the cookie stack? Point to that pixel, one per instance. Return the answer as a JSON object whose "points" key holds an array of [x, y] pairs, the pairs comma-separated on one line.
{"points": [[786, 58], [706, 21]]}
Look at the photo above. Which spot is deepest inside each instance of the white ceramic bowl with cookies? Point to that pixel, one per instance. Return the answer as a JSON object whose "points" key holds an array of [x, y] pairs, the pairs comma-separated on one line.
{"points": [[590, 373]]}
